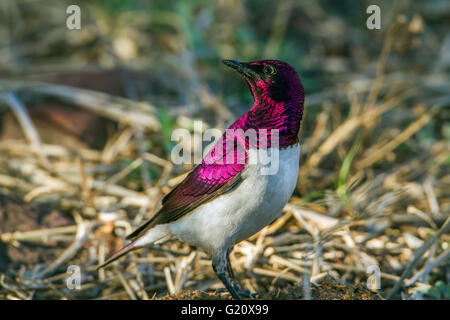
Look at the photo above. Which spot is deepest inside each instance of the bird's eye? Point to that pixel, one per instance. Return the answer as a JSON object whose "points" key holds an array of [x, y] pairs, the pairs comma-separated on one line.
{"points": [[269, 69]]}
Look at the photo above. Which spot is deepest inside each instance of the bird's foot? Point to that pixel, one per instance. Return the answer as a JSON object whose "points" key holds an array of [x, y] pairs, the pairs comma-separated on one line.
{"points": [[246, 294], [241, 292]]}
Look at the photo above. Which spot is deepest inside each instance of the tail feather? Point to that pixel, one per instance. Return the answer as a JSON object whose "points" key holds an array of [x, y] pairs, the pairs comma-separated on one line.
{"points": [[129, 247]]}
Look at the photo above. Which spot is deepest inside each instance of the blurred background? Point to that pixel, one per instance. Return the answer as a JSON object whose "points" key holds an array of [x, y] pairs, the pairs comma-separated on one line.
{"points": [[86, 118]]}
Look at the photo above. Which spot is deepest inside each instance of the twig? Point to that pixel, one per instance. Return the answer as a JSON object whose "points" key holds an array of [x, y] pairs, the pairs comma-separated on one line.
{"points": [[297, 214], [125, 284], [417, 257], [321, 220], [83, 230], [317, 262], [276, 274], [422, 215], [306, 285], [274, 259], [360, 270], [101, 258], [140, 287], [279, 24], [19, 293], [29, 129], [382, 151], [431, 196], [443, 257], [183, 270], [255, 250], [111, 150], [344, 130], [124, 172], [169, 281], [146, 179], [381, 64], [39, 191], [86, 184], [37, 235], [119, 109]]}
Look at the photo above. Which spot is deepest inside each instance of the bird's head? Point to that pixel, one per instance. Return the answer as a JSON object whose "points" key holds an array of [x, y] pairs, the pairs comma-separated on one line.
{"points": [[278, 94], [272, 82]]}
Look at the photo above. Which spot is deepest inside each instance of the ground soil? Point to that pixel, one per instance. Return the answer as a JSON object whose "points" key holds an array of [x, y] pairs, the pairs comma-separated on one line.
{"points": [[327, 289]]}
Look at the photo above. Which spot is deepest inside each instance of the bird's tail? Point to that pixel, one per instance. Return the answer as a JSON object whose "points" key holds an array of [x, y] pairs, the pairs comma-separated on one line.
{"points": [[129, 247]]}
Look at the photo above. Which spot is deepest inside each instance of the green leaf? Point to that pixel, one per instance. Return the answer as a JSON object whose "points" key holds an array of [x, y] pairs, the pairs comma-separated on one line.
{"points": [[345, 169]]}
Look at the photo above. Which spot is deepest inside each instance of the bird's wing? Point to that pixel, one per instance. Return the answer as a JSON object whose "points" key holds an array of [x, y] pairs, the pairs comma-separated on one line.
{"points": [[218, 173]]}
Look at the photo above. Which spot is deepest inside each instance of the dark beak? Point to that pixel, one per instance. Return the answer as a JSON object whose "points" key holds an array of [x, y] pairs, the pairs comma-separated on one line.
{"points": [[243, 68]]}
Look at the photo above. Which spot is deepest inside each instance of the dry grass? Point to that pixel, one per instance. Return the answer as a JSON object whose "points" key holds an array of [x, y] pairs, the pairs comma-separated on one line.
{"points": [[373, 186]]}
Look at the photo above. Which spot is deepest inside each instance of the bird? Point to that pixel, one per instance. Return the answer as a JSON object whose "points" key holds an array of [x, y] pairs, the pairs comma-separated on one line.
{"points": [[234, 192]]}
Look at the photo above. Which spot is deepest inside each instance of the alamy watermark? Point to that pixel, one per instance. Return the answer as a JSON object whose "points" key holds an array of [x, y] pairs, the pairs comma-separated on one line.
{"points": [[374, 20], [227, 148], [374, 280], [73, 282], [73, 22]]}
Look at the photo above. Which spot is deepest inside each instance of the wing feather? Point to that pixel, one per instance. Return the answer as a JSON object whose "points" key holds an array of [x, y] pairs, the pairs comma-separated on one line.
{"points": [[210, 179]]}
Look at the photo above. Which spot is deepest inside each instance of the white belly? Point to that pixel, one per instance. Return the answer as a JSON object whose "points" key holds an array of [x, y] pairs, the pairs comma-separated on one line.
{"points": [[253, 204]]}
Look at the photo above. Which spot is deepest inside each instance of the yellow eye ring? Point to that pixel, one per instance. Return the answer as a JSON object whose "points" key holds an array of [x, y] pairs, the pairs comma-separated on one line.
{"points": [[269, 69]]}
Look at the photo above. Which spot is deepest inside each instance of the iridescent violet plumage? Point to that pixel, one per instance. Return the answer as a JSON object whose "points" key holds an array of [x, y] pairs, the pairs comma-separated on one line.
{"points": [[278, 104]]}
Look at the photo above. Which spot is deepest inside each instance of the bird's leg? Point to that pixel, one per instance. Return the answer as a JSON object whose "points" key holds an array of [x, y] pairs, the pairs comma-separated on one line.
{"points": [[230, 271], [219, 264]]}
